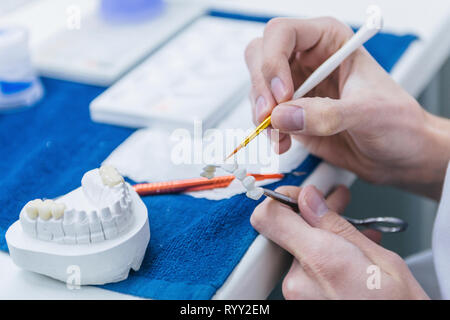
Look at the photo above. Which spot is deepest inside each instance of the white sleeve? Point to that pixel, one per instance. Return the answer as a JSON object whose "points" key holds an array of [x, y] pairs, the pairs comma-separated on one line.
{"points": [[441, 240]]}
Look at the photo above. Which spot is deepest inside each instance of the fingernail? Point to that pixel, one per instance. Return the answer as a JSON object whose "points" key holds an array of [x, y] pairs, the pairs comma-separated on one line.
{"points": [[260, 107], [316, 202], [290, 118], [274, 134], [278, 89]]}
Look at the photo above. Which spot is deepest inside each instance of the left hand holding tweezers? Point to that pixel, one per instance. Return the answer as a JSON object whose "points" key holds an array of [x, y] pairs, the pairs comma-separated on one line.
{"points": [[382, 224]]}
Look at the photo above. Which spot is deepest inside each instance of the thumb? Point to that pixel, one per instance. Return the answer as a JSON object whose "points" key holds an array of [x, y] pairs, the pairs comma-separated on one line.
{"points": [[315, 211], [315, 116]]}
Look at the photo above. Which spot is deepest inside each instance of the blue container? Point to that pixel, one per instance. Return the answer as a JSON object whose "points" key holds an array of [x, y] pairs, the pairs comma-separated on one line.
{"points": [[130, 10]]}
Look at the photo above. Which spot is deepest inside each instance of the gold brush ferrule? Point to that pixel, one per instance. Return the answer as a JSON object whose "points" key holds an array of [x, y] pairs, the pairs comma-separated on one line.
{"points": [[263, 125]]}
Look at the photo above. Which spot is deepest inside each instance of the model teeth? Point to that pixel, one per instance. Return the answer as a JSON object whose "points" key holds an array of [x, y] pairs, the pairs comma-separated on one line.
{"points": [[110, 176], [117, 208], [95, 227], [45, 210], [56, 229], [31, 208], [29, 223], [248, 182], [82, 228], [70, 216], [69, 227], [208, 171], [108, 224], [106, 214], [210, 168], [58, 210], [103, 188], [43, 230], [255, 193], [240, 174], [207, 175]]}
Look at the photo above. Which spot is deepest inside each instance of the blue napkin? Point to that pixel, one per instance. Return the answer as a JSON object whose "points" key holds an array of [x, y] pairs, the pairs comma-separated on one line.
{"points": [[195, 243]]}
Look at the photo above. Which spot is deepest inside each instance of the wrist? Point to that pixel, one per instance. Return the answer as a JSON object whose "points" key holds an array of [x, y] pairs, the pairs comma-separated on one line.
{"points": [[434, 157]]}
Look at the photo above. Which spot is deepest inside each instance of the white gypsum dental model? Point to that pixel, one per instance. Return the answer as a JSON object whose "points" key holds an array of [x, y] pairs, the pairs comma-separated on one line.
{"points": [[253, 192], [101, 228]]}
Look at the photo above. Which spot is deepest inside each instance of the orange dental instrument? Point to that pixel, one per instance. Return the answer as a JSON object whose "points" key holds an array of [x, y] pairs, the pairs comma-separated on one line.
{"points": [[194, 184]]}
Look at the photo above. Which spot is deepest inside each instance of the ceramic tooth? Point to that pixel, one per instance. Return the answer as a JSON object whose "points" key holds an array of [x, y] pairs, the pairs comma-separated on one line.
{"points": [[249, 183], [31, 208], [44, 209], [57, 210], [240, 174], [255, 193], [207, 175], [110, 176]]}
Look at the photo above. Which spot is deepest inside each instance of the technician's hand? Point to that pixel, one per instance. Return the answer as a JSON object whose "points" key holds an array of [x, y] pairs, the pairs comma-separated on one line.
{"points": [[358, 118], [332, 259]]}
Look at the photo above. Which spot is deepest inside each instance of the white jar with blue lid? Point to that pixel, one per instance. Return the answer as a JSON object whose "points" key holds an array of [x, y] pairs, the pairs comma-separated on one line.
{"points": [[19, 85]]}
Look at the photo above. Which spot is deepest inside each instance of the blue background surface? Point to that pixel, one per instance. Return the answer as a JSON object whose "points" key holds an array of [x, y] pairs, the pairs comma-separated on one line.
{"points": [[195, 243]]}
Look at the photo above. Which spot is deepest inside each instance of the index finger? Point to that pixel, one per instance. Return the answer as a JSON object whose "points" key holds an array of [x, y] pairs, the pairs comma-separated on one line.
{"points": [[284, 36]]}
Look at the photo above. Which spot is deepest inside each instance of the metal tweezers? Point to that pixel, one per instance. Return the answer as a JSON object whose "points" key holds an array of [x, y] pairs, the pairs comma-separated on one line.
{"points": [[382, 224]]}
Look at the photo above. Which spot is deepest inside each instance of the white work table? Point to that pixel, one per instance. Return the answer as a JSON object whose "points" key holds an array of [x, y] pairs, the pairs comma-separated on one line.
{"points": [[264, 263]]}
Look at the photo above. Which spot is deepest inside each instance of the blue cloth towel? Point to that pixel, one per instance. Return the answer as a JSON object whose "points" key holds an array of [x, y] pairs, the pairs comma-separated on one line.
{"points": [[195, 243]]}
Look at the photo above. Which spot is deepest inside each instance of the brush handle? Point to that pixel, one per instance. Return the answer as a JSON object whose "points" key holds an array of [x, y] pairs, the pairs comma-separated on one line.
{"points": [[371, 27]]}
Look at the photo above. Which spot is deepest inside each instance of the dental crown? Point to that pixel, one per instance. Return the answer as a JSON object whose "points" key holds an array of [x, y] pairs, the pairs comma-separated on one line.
{"points": [[105, 213]]}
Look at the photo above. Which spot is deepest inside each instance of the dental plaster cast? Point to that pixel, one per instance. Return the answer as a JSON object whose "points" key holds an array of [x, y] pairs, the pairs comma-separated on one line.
{"points": [[253, 192], [101, 228]]}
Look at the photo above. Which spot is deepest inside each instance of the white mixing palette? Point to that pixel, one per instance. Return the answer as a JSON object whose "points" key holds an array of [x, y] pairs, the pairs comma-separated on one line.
{"points": [[100, 52], [198, 75], [7, 6]]}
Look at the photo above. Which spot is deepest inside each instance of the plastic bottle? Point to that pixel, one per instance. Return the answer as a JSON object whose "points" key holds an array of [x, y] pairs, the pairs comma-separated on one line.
{"points": [[19, 85]]}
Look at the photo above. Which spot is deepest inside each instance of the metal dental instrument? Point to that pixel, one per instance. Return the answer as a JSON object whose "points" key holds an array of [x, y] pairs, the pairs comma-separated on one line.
{"points": [[373, 24], [382, 224]]}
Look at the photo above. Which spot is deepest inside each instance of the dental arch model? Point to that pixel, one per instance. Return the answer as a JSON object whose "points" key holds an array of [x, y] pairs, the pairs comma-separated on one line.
{"points": [[101, 227], [253, 192]]}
